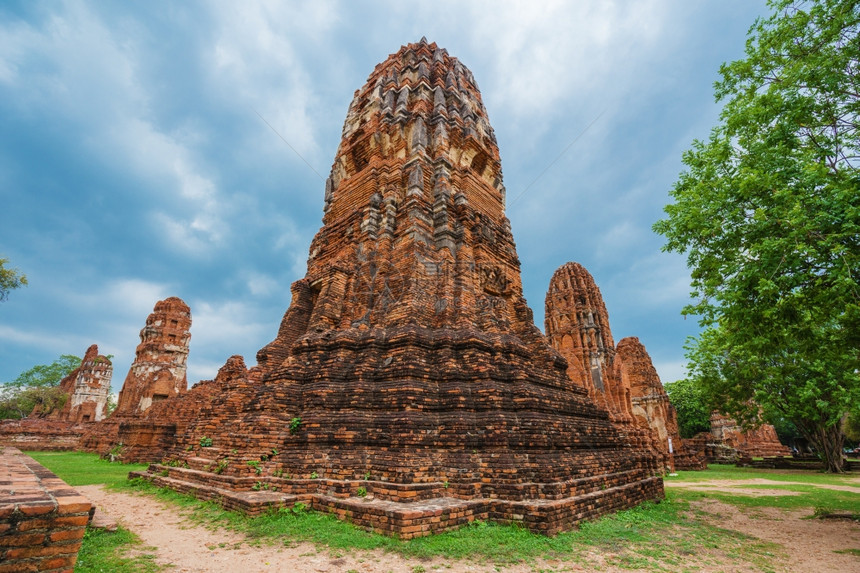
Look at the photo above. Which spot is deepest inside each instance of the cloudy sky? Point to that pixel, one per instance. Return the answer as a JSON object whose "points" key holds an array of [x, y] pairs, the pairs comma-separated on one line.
{"points": [[134, 163]]}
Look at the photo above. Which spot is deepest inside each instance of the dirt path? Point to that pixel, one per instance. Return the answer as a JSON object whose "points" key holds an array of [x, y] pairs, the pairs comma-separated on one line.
{"points": [[186, 547], [727, 483], [191, 548]]}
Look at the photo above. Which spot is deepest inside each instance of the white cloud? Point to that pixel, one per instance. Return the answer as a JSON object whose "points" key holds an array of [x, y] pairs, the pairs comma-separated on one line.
{"points": [[256, 64], [671, 370], [39, 338], [87, 72]]}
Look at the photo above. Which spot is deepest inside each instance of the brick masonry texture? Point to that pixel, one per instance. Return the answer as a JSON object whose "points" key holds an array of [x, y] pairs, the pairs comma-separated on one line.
{"points": [[408, 367], [42, 520], [158, 372], [87, 388], [728, 441], [621, 378]]}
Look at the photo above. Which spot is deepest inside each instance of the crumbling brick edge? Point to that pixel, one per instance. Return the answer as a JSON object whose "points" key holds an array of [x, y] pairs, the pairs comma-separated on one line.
{"points": [[42, 519]]}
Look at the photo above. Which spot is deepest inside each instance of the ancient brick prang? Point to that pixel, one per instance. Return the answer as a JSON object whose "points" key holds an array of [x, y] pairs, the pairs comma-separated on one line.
{"points": [[158, 370], [408, 366], [651, 406], [87, 388], [577, 325]]}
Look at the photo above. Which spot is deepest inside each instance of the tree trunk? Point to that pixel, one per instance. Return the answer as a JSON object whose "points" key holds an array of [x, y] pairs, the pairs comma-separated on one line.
{"points": [[828, 441]]}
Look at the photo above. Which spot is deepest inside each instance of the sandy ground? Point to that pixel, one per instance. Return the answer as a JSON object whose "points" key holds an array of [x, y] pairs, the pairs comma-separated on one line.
{"points": [[809, 544]]}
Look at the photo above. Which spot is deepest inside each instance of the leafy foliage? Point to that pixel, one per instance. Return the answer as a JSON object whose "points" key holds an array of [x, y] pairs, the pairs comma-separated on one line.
{"points": [[692, 406], [38, 386], [768, 213], [10, 279]]}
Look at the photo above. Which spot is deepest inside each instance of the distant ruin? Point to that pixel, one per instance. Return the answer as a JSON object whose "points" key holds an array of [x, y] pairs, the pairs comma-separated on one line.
{"points": [[87, 388], [728, 441], [408, 388], [622, 379], [158, 373]]}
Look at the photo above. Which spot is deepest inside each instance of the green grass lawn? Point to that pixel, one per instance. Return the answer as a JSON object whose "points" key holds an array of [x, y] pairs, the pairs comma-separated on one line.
{"points": [[668, 536], [79, 468], [101, 551]]}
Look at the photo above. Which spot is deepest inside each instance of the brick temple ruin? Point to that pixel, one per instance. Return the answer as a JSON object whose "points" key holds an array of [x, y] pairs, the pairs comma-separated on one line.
{"points": [[157, 373], [86, 389], [408, 389], [623, 378], [727, 441]]}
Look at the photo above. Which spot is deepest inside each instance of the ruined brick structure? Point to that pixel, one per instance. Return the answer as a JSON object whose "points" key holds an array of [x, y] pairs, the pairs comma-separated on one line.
{"points": [[408, 388], [651, 406], [158, 373], [728, 440], [87, 388], [158, 370], [577, 325]]}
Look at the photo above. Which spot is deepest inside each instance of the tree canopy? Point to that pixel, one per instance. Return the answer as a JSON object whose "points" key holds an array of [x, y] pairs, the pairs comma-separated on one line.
{"points": [[768, 213], [10, 279], [38, 385], [692, 406]]}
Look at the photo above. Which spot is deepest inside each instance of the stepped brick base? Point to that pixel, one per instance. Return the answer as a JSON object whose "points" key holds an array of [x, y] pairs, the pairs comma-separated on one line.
{"points": [[434, 507]]}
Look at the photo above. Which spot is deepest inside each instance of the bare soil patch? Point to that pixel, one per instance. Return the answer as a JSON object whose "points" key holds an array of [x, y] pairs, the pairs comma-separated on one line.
{"points": [[809, 545]]}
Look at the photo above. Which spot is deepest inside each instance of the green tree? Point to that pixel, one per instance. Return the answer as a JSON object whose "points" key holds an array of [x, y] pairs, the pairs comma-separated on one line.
{"points": [[692, 405], [768, 213], [37, 386], [10, 279]]}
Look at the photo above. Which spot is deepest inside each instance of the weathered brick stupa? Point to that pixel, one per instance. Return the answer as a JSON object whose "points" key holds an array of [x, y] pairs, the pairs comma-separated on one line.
{"points": [[158, 373], [158, 370], [408, 388], [577, 325], [87, 388]]}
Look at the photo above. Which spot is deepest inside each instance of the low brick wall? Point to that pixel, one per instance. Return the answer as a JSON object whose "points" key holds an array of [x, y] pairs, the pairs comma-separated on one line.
{"points": [[42, 520]]}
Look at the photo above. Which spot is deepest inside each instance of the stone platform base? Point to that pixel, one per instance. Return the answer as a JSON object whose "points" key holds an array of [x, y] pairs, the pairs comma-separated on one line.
{"points": [[364, 503]]}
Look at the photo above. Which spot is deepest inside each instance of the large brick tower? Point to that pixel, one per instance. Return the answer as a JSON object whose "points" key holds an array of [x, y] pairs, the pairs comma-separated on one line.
{"points": [[408, 388]]}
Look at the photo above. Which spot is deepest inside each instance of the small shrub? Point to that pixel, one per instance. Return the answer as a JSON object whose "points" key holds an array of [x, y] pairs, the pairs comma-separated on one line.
{"points": [[295, 424], [222, 465], [314, 475], [362, 492], [256, 465], [366, 476], [205, 442]]}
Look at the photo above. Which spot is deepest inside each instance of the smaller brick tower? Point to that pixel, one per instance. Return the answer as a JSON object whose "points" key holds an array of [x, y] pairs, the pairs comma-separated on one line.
{"points": [[158, 370], [88, 387]]}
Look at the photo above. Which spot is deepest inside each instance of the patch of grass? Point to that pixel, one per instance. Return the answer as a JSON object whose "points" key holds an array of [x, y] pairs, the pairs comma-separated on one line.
{"points": [[797, 496], [855, 552], [730, 472], [107, 551], [80, 468]]}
